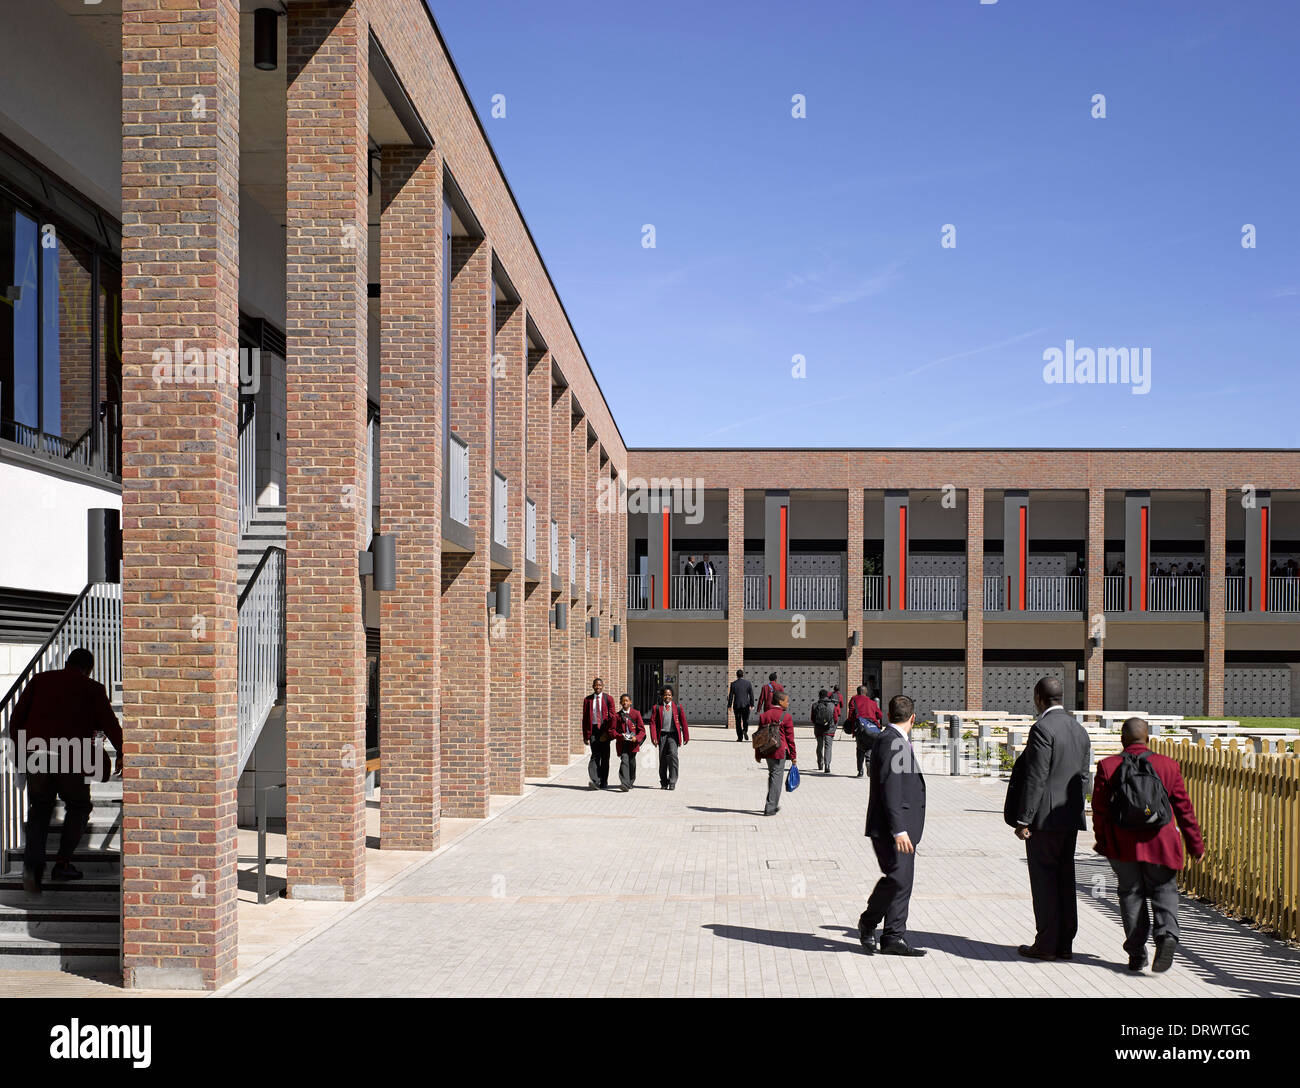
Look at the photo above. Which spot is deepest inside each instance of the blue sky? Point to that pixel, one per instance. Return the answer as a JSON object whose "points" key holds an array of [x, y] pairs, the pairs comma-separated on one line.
{"points": [[821, 236]]}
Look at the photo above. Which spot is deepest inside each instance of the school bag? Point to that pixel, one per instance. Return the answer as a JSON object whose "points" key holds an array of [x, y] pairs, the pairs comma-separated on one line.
{"points": [[1137, 796], [767, 739], [823, 713]]}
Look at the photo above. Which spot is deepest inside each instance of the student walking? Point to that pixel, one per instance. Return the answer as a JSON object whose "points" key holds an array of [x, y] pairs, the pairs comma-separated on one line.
{"points": [[1045, 804], [895, 821], [767, 694], [864, 722], [823, 718], [629, 735], [62, 705], [1146, 851], [597, 716], [774, 741], [668, 732], [740, 699]]}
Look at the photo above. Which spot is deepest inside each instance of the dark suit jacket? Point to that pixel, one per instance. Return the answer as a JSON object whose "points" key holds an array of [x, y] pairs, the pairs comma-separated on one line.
{"points": [[1047, 793], [897, 789], [741, 694]]}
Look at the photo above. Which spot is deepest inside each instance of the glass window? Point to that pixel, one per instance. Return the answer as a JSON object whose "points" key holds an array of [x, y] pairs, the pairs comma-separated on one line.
{"points": [[446, 331], [22, 370]]}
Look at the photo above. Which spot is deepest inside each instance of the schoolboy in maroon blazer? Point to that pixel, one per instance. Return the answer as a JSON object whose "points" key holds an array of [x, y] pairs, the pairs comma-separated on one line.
{"points": [[597, 714], [668, 731], [629, 734]]}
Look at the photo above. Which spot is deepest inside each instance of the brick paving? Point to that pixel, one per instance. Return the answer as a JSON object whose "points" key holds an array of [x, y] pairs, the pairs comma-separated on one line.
{"points": [[578, 893]]}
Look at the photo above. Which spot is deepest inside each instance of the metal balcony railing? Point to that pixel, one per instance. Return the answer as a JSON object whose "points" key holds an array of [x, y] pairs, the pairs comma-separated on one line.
{"points": [[873, 592], [1114, 593], [697, 592], [261, 648], [1236, 594], [247, 471], [1054, 593], [530, 530], [995, 596], [458, 479], [814, 593], [1176, 593], [638, 593], [755, 593], [500, 510], [1284, 594], [936, 593]]}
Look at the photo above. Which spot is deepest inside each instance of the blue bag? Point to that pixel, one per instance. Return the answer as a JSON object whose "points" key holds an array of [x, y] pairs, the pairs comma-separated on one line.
{"points": [[792, 779]]}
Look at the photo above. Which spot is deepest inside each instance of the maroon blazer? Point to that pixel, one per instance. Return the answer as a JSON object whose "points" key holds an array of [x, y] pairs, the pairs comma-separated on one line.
{"points": [[767, 696], [636, 726], [606, 714], [679, 717], [1162, 846], [65, 703], [786, 749]]}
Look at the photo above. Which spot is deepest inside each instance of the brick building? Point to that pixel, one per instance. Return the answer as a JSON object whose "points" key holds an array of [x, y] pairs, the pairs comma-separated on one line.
{"points": [[278, 317]]}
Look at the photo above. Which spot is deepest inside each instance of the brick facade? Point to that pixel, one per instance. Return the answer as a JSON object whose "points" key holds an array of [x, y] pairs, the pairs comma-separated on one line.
{"points": [[410, 464], [506, 738], [974, 598], [1216, 592], [537, 595], [1095, 600], [562, 641], [179, 502], [854, 559], [579, 510], [735, 581]]}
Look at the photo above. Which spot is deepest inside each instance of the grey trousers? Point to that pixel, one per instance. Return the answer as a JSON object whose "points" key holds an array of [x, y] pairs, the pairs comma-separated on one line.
{"points": [[775, 784], [1146, 890], [668, 760], [627, 770], [825, 745]]}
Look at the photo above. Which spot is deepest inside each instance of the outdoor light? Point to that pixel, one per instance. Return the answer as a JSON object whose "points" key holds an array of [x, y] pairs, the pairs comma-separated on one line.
{"points": [[266, 39], [561, 616], [593, 627], [853, 639], [499, 599], [616, 633], [380, 562], [103, 545]]}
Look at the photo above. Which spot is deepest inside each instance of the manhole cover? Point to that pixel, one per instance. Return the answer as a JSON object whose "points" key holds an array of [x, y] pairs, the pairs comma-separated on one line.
{"points": [[799, 866], [725, 827]]}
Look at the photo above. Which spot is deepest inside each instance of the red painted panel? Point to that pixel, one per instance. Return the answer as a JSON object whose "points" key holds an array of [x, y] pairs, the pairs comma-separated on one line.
{"points": [[1263, 558], [666, 551], [785, 546], [902, 558], [1144, 566], [1024, 553]]}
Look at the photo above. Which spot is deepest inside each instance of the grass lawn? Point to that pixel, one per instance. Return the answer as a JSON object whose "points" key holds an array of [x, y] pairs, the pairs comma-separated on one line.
{"points": [[1254, 723]]}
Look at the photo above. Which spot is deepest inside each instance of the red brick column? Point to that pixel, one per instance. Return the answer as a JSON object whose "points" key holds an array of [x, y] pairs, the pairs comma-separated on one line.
{"points": [[735, 581], [180, 281], [325, 477], [1216, 591], [580, 511], [506, 738], [1094, 657], [537, 595], [853, 590], [410, 224], [466, 653], [561, 641], [974, 598]]}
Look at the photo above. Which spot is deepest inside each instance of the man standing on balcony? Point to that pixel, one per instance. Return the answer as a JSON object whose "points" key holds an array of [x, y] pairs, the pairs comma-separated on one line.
{"points": [[1045, 803], [668, 732], [597, 716], [64, 708], [740, 699], [1146, 857]]}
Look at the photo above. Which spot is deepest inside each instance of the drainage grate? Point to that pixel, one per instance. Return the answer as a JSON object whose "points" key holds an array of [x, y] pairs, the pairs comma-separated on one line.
{"points": [[800, 866], [725, 827]]}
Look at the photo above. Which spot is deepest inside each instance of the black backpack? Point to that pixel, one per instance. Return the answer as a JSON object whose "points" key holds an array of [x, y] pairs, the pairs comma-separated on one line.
{"points": [[1137, 796], [823, 713]]}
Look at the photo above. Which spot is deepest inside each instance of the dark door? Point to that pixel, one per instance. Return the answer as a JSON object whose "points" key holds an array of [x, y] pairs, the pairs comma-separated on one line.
{"points": [[648, 681]]}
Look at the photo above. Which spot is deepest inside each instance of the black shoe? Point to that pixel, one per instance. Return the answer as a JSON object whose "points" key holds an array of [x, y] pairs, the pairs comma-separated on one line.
{"points": [[819, 766], [1136, 963], [624, 789], [592, 786], [827, 771], [1165, 948], [663, 785], [867, 935], [859, 774], [32, 881], [1033, 952], [672, 785], [899, 948], [65, 870], [1066, 955]]}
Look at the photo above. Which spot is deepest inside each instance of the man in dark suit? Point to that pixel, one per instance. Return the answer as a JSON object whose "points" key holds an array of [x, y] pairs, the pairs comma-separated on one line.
{"points": [[1046, 797], [597, 717], [1146, 860], [895, 820], [740, 698]]}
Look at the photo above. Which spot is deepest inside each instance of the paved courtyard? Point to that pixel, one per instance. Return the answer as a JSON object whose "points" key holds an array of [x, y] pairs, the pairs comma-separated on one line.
{"points": [[578, 893]]}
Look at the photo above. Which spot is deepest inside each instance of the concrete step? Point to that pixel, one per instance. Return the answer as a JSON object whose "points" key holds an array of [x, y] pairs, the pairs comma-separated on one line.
{"points": [[55, 922], [12, 881], [78, 951], [91, 862]]}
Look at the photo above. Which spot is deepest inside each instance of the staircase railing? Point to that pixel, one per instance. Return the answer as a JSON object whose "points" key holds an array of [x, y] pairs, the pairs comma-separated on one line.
{"points": [[261, 648], [247, 464], [93, 621]]}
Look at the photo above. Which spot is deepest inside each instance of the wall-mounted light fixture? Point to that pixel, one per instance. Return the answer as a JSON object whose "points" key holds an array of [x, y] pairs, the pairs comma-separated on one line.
{"points": [[853, 639], [380, 562], [616, 632], [593, 627], [103, 545], [561, 616], [499, 599], [266, 39]]}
